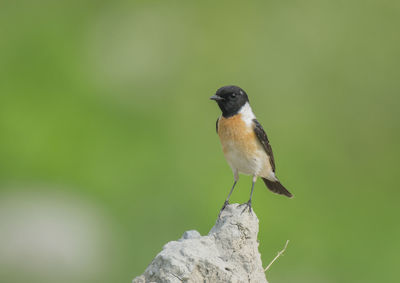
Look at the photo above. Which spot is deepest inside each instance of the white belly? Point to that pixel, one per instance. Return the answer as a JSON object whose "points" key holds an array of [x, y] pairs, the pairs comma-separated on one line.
{"points": [[256, 163]]}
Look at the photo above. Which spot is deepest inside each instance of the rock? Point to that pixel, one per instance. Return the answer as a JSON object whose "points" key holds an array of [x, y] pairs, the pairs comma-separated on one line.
{"points": [[229, 253]]}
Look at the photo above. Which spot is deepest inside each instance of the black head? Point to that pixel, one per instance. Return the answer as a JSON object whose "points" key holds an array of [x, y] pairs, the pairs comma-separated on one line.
{"points": [[230, 99]]}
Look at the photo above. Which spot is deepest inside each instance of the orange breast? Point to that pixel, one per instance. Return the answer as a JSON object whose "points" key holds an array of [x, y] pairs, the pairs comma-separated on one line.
{"points": [[236, 135]]}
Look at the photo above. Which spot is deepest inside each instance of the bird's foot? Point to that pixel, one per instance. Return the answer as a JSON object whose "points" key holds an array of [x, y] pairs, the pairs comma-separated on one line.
{"points": [[247, 206], [223, 207]]}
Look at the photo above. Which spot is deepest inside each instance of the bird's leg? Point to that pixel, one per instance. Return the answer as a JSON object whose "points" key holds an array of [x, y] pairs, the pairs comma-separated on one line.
{"points": [[248, 204], [236, 177], [227, 199]]}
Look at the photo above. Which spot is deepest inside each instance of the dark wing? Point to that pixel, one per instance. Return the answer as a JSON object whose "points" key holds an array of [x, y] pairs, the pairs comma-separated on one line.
{"points": [[262, 137], [217, 125]]}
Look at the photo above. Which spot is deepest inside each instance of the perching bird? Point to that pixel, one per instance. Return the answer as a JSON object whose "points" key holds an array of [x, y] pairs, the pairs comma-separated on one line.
{"points": [[244, 142]]}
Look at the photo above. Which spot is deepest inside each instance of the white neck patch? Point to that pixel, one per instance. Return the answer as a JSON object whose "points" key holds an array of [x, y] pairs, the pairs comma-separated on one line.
{"points": [[247, 114]]}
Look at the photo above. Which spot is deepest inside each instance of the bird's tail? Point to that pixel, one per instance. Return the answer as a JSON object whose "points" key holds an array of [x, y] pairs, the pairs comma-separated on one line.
{"points": [[277, 187]]}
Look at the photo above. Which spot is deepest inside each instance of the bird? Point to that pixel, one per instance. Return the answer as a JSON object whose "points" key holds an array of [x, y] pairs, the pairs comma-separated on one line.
{"points": [[244, 142]]}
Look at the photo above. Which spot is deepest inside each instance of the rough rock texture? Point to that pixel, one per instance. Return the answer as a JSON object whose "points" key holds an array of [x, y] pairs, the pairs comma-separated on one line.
{"points": [[229, 253]]}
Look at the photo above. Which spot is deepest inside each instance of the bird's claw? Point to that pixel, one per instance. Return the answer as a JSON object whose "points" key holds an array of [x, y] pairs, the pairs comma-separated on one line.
{"points": [[223, 207], [247, 206]]}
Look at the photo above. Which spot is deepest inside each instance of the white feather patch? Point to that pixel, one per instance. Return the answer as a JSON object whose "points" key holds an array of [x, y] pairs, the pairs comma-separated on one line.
{"points": [[247, 114]]}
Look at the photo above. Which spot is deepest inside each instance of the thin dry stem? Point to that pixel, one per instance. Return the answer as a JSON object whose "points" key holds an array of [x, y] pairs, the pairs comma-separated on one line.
{"points": [[278, 255]]}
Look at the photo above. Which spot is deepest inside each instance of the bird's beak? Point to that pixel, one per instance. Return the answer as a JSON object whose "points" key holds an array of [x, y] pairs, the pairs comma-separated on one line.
{"points": [[216, 98]]}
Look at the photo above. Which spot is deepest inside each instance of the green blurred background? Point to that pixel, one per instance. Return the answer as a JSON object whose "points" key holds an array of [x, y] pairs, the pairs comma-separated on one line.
{"points": [[108, 147]]}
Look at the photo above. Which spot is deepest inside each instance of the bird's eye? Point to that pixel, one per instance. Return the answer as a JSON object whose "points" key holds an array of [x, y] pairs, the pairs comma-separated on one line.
{"points": [[233, 94]]}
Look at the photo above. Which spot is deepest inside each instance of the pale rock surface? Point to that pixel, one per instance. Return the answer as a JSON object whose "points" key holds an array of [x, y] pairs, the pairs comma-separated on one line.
{"points": [[229, 253]]}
